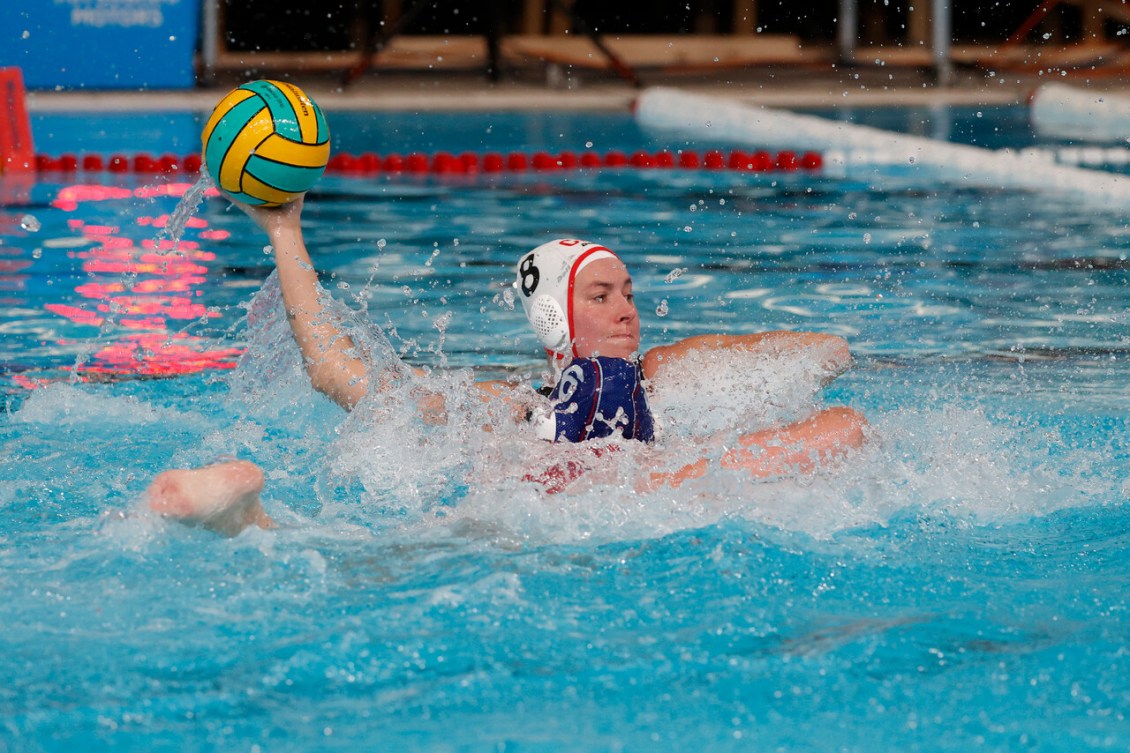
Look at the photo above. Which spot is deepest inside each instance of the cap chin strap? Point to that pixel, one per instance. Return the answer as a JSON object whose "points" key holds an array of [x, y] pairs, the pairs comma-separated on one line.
{"points": [[557, 360]]}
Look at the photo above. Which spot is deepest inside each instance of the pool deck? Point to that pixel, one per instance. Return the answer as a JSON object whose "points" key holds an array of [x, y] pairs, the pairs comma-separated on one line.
{"points": [[550, 85]]}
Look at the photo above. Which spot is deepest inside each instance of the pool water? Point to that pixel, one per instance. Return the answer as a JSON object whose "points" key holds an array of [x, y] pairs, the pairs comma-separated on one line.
{"points": [[960, 584]]}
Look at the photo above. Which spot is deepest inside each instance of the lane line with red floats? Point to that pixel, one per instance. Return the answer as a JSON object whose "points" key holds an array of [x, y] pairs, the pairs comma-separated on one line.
{"points": [[467, 163], [854, 151]]}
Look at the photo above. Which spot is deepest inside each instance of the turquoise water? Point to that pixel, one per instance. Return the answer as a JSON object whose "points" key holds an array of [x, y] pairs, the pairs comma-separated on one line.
{"points": [[959, 585]]}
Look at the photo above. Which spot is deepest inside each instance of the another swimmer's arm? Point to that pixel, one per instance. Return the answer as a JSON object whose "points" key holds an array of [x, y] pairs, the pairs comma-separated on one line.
{"points": [[327, 352], [798, 447], [836, 356]]}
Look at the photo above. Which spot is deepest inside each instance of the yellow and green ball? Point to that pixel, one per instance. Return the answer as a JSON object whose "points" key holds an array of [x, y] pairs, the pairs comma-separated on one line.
{"points": [[266, 143]]}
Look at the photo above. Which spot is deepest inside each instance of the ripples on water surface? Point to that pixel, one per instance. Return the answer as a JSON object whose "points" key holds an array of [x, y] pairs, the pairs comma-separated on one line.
{"points": [[961, 585]]}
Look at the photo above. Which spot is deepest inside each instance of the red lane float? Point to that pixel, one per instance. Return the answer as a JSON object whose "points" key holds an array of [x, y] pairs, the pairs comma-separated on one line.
{"points": [[465, 163], [493, 163], [17, 151]]}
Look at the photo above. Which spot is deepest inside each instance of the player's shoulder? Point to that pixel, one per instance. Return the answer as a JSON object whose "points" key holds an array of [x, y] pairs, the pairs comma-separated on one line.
{"points": [[616, 366], [594, 371]]}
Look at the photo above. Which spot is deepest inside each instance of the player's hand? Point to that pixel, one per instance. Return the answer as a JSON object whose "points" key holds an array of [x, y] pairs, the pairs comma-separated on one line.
{"points": [[275, 219]]}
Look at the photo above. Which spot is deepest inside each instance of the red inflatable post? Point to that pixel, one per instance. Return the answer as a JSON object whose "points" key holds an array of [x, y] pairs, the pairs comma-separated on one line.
{"points": [[17, 154]]}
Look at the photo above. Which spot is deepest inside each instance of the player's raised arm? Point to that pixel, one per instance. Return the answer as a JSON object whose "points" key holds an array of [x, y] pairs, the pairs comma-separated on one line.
{"points": [[328, 353]]}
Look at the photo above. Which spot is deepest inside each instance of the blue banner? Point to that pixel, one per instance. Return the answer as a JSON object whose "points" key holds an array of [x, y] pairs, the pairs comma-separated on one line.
{"points": [[101, 44]]}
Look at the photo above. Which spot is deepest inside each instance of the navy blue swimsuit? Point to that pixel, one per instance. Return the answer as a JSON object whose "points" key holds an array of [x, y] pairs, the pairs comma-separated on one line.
{"points": [[597, 397]]}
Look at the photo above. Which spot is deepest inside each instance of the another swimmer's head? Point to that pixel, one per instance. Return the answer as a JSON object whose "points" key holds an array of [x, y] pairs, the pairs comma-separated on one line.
{"points": [[574, 314]]}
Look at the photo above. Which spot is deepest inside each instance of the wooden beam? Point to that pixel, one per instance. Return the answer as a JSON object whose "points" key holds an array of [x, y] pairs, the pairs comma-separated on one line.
{"points": [[745, 16]]}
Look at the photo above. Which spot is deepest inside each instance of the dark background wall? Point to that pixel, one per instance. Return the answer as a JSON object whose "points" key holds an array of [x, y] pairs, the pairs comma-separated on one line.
{"points": [[303, 25]]}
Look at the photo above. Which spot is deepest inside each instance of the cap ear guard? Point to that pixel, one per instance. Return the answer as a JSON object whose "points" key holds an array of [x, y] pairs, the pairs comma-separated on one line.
{"points": [[549, 323]]}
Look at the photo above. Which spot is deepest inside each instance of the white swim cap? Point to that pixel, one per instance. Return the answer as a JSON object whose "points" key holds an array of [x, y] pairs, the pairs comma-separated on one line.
{"points": [[545, 285]]}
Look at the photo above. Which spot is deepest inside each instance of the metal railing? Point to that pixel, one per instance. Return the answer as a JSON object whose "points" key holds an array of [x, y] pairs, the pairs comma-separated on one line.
{"points": [[940, 36]]}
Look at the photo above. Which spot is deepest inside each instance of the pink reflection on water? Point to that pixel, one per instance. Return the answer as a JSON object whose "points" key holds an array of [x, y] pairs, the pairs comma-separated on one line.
{"points": [[136, 290]]}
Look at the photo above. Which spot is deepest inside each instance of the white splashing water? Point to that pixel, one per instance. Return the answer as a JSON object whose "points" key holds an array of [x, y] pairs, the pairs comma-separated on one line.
{"points": [[185, 209], [714, 390], [335, 474]]}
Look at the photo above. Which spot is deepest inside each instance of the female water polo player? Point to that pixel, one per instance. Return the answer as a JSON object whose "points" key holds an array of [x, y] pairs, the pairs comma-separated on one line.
{"points": [[578, 298]]}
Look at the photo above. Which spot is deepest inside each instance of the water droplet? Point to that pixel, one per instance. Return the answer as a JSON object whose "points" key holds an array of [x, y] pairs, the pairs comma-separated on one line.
{"points": [[661, 309], [26, 34], [588, 145], [674, 274], [30, 223]]}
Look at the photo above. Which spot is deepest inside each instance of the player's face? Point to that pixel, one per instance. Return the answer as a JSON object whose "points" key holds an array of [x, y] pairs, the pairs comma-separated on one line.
{"points": [[605, 322]]}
